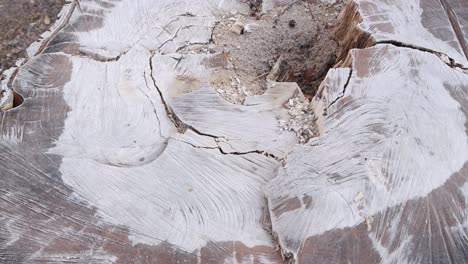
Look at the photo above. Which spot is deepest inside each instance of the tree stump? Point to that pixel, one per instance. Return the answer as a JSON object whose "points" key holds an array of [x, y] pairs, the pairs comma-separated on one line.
{"points": [[121, 150]]}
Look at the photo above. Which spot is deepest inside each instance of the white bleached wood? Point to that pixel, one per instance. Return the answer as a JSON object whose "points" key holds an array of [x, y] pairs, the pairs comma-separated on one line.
{"points": [[396, 135], [123, 152], [429, 24]]}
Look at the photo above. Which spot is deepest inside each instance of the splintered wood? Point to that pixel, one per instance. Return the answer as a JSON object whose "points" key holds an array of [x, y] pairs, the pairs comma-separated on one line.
{"points": [[123, 152]]}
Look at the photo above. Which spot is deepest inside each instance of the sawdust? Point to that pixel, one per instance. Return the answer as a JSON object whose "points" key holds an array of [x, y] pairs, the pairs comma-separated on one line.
{"points": [[302, 33], [295, 41]]}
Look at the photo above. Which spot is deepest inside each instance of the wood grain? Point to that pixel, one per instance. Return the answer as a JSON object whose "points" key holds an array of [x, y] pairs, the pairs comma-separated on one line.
{"points": [[122, 152]]}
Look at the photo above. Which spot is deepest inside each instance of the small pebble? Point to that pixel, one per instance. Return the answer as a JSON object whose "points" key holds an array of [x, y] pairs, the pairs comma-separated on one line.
{"points": [[47, 20], [292, 23], [238, 28]]}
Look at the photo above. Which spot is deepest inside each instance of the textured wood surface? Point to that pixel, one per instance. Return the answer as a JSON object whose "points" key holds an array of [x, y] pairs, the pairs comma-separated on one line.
{"points": [[122, 152]]}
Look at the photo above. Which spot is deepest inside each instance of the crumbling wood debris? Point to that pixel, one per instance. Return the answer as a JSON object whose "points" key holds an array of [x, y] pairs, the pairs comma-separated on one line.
{"points": [[95, 167]]}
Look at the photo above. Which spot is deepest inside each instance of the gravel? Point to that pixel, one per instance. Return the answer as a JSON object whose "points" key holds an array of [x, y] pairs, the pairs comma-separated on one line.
{"points": [[21, 23]]}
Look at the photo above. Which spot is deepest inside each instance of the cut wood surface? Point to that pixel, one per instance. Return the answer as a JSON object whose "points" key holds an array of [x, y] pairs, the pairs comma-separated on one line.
{"points": [[123, 152]]}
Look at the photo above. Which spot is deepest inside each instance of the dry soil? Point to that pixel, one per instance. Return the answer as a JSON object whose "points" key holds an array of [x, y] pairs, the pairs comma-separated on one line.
{"points": [[21, 23]]}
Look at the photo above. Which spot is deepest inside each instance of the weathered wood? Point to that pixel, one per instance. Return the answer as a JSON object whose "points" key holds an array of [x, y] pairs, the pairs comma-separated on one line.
{"points": [[429, 25], [385, 180], [122, 152]]}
